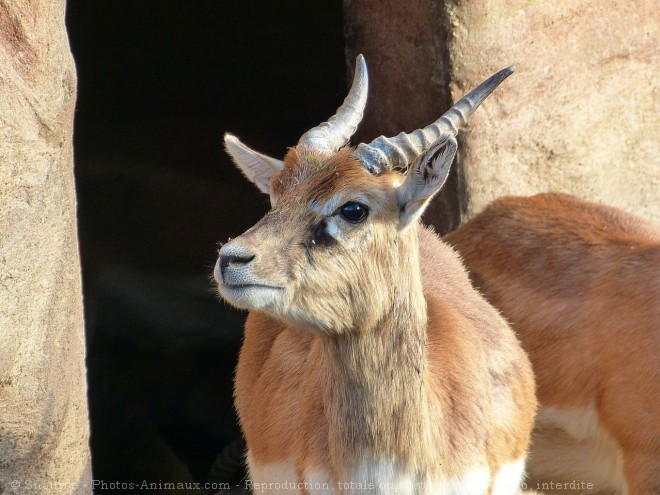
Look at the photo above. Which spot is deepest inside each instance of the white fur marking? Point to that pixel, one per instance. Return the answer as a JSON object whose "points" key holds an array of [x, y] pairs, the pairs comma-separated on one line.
{"points": [[507, 480], [569, 445], [380, 477], [276, 477], [388, 478], [474, 482], [318, 482], [332, 229], [370, 478]]}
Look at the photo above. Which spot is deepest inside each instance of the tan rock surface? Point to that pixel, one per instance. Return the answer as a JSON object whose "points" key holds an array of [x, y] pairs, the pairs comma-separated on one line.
{"points": [[43, 411], [581, 113]]}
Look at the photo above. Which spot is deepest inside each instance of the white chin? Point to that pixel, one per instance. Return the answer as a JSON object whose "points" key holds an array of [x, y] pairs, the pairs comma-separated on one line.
{"points": [[251, 296]]}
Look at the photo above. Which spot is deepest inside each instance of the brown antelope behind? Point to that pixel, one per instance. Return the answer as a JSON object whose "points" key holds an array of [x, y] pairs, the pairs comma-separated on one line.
{"points": [[580, 284], [370, 364]]}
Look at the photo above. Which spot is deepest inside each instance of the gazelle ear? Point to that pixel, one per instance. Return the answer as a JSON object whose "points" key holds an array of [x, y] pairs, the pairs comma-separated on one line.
{"points": [[259, 168], [425, 177]]}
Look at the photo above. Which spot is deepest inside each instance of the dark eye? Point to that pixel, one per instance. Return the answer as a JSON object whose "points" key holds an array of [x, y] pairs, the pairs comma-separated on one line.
{"points": [[354, 212]]}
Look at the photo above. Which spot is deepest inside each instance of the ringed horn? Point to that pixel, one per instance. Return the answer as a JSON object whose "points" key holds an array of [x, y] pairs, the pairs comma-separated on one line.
{"points": [[335, 133], [398, 152]]}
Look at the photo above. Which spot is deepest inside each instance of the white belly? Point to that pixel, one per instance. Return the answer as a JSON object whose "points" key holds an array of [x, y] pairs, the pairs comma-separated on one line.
{"points": [[572, 454]]}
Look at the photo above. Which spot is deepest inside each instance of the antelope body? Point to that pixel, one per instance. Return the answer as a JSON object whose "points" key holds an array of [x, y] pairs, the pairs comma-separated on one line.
{"points": [[580, 284], [370, 364]]}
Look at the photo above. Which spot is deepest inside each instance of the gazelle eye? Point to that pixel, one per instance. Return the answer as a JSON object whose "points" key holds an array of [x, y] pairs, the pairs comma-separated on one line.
{"points": [[354, 212]]}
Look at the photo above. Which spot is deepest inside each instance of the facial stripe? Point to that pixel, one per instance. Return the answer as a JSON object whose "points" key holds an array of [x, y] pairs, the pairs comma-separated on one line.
{"points": [[320, 235]]}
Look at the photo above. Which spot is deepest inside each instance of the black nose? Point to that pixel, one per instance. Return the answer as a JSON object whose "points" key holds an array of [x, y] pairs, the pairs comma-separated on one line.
{"points": [[233, 259]]}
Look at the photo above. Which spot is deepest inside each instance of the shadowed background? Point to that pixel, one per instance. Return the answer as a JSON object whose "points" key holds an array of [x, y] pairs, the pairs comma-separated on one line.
{"points": [[159, 84]]}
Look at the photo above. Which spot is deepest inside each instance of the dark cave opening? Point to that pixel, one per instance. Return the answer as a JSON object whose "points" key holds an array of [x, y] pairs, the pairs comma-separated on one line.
{"points": [[159, 82]]}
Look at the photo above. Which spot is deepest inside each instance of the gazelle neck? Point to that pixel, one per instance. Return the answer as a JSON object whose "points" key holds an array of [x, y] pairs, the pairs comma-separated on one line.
{"points": [[375, 379]]}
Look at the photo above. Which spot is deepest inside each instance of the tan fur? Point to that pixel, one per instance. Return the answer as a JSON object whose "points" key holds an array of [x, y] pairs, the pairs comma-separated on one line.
{"points": [[580, 284], [381, 348]]}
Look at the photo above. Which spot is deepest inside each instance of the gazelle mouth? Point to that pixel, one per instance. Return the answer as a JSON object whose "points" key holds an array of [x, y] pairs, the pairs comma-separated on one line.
{"points": [[251, 296], [250, 286]]}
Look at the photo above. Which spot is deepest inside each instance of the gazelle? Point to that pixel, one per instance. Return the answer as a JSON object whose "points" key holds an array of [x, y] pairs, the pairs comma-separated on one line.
{"points": [[370, 364], [580, 284]]}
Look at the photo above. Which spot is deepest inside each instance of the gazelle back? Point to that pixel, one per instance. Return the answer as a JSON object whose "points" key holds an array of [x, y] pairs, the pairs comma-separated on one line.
{"points": [[370, 364], [580, 284]]}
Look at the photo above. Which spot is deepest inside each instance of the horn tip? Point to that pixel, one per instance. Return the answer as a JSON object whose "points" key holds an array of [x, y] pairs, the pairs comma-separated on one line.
{"points": [[500, 76], [506, 72], [361, 63]]}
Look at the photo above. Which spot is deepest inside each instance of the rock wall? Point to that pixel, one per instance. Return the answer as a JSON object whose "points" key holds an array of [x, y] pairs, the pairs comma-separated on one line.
{"points": [[43, 410], [581, 113], [579, 116]]}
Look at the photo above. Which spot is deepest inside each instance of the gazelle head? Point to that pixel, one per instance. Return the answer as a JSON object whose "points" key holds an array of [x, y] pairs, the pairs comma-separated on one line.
{"points": [[336, 250]]}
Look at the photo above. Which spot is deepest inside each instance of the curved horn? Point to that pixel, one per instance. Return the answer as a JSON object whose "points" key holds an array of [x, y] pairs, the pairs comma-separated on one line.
{"points": [[400, 151], [339, 128]]}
